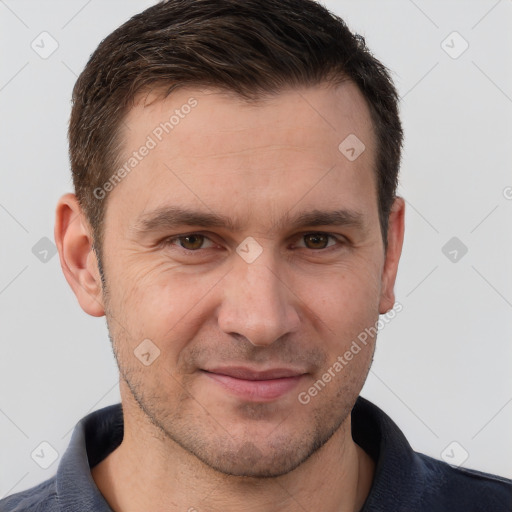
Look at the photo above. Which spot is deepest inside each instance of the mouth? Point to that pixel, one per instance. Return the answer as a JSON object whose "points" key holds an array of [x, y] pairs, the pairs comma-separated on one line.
{"points": [[253, 385]]}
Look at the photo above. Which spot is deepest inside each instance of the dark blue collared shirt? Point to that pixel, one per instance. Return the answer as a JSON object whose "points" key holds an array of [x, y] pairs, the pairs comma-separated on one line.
{"points": [[404, 481]]}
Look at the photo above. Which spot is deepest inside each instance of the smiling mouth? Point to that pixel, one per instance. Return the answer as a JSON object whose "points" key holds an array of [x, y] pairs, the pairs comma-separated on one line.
{"points": [[253, 385]]}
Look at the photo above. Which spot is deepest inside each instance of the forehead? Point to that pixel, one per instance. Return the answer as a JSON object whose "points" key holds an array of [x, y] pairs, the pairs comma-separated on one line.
{"points": [[214, 150]]}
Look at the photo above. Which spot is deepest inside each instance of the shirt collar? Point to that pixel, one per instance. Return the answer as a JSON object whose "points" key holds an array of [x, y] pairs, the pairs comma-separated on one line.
{"points": [[397, 480], [400, 475], [94, 437]]}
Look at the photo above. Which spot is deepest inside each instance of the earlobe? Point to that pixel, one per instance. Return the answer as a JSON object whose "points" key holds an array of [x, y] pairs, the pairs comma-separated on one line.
{"points": [[78, 260], [396, 227]]}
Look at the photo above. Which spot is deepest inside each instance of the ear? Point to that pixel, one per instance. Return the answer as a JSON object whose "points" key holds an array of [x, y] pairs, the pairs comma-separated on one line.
{"points": [[73, 236], [396, 228]]}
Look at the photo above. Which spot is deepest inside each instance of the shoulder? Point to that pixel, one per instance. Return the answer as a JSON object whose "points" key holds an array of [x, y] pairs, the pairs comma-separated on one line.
{"points": [[456, 488], [41, 498], [407, 480]]}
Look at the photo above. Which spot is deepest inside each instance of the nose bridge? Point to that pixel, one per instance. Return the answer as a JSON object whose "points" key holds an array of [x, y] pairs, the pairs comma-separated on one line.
{"points": [[257, 303]]}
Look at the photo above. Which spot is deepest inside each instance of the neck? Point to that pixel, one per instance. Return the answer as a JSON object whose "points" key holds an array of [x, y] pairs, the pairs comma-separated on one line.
{"points": [[148, 471]]}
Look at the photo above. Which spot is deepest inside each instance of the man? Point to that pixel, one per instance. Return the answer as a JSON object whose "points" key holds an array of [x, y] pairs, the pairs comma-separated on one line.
{"points": [[236, 220]]}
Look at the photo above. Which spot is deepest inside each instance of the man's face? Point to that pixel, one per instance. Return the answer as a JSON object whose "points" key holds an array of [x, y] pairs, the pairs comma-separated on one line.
{"points": [[289, 301]]}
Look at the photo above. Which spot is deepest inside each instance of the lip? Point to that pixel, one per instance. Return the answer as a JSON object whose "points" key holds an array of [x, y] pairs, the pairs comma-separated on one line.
{"points": [[254, 385]]}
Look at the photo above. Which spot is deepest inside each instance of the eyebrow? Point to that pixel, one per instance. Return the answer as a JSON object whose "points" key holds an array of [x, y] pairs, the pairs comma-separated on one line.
{"points": [[172, 217]]}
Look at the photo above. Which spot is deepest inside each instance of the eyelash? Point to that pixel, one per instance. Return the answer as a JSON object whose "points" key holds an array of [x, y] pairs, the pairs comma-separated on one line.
{"points": [[167, 242]]}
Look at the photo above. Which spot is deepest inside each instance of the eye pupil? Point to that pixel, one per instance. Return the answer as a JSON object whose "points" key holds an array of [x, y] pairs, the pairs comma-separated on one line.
{"points": [[317, 239], [193, 240], [312, 241]]}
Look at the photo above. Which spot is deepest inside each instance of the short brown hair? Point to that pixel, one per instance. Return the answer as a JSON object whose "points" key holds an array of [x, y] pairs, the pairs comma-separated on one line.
{"points": [[252, 48]]}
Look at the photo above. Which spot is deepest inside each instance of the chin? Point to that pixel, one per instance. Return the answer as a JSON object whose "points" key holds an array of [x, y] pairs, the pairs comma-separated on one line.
{"points": [[265, 457], [249, 462]]}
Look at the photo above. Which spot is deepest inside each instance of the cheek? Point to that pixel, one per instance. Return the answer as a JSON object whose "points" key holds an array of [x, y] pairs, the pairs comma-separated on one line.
{"points": [[167, 304], [164, 304], [345, 302]]}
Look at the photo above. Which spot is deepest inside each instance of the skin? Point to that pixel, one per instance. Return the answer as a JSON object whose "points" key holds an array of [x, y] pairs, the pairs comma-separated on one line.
{"points": [[189, 443]]}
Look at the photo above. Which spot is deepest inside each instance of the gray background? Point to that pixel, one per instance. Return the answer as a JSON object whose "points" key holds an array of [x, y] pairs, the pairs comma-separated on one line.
{"points": [[442, 366]]}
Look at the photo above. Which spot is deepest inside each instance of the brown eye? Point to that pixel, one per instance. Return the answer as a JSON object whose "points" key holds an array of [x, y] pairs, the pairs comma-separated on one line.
{"points": [[316, 240], [191, 242]]}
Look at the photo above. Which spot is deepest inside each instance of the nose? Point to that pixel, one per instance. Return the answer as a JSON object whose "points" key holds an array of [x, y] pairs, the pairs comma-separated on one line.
{"points": [[258, 303]]}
